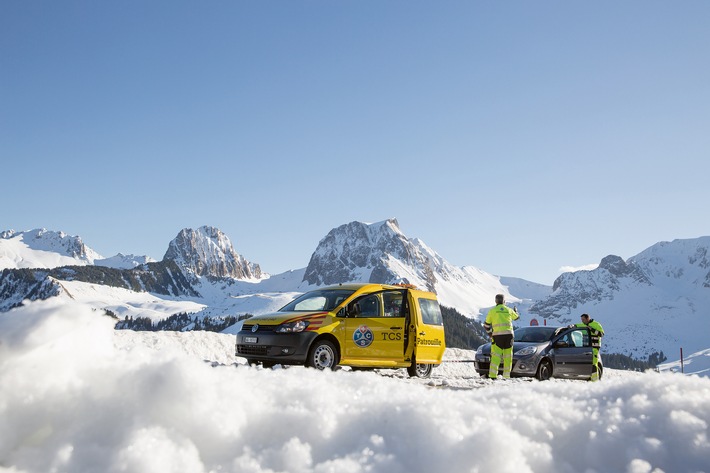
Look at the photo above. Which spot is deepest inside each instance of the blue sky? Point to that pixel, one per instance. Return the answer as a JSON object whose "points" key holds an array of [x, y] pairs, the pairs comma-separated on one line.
{"points": [[517, 136]]}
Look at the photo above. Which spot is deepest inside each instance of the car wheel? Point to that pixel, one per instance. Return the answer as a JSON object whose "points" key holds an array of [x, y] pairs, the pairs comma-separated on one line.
{"points": [[323, 355], [544, 370], [420, 370]]}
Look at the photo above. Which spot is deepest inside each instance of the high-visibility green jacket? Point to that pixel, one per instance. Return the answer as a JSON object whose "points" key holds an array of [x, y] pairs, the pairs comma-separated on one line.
{"points": [[499, 320], [596, 331]]}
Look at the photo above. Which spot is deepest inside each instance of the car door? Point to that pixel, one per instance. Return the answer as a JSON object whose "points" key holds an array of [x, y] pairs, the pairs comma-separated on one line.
{"points": [[374, 329], [573, 353]]}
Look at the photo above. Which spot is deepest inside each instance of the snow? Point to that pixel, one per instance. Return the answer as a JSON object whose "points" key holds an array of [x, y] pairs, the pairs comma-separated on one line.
{"points": [[696, 363], [127, 303], [78, 396], [121, 261]]}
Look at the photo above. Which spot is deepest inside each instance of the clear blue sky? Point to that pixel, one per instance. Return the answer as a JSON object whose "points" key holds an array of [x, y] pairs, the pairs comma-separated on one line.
{"points": [[516, 136]]}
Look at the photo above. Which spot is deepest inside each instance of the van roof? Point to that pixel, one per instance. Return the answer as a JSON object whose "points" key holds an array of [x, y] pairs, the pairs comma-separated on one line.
{"points": [[375, 287]]}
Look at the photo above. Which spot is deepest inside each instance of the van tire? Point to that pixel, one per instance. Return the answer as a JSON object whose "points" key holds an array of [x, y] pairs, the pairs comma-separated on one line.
{"points": [[323, 355], [420, 370]]}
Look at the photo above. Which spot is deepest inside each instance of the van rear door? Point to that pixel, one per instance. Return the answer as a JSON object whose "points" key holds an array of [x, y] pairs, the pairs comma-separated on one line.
{"points": [[429, 333]]}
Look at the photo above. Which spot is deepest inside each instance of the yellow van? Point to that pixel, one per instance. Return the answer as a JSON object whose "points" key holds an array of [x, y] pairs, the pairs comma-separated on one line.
{"points": [[358, 325]]}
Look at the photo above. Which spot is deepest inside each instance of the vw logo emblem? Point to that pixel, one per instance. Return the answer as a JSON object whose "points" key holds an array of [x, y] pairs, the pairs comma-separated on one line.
{"points": [[255, 328]]}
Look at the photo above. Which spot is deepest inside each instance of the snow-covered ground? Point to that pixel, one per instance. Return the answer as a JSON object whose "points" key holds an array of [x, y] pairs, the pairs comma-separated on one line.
{"points": [[77, 396]]}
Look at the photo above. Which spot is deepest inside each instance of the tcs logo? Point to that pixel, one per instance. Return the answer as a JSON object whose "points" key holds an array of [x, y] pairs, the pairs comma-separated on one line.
{"points": [[363, 336]]}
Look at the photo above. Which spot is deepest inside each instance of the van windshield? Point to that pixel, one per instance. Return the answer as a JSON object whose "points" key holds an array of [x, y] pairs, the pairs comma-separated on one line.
{"points": [[325, 300]]}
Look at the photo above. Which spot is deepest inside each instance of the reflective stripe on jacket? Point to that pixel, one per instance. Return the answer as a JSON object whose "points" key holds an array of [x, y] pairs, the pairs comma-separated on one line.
{"points": [[500, 319], [596, 331]]}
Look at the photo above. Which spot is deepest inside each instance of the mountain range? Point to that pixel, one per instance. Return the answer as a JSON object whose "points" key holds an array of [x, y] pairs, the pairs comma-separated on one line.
{"points": [[651, 302]]}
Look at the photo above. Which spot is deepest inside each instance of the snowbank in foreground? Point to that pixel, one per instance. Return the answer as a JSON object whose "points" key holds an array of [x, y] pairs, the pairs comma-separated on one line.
{"points": [[77, 397]]}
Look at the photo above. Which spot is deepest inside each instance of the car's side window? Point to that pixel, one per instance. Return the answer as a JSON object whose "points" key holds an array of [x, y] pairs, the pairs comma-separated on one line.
{"points": [[579, 338]]}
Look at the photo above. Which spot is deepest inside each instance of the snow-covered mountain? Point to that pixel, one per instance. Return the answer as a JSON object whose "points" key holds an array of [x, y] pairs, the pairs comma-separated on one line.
{"points": [[121, 261], [655, 301], [208, 252], [41, 248], [381, 253]]}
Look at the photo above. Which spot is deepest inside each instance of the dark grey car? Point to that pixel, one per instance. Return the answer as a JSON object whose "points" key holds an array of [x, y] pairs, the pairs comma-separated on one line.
{"points": [[544, 352]]}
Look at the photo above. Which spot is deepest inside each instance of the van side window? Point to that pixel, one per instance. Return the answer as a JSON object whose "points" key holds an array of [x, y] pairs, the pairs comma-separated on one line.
{"points": [[431, 313], [369, 306], [394, 303]]}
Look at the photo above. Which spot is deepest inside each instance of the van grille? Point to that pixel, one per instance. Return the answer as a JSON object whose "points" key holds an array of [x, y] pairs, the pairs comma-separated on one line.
{"points": [[252, 350], [262, 328]]}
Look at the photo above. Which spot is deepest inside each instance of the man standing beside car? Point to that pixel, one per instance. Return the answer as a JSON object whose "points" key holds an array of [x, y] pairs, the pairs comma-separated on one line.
{"points": [[499, 324], [597, 332]]}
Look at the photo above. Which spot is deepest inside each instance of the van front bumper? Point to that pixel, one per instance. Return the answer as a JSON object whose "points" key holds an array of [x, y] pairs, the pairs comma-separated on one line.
{"points": [[269, 346]]}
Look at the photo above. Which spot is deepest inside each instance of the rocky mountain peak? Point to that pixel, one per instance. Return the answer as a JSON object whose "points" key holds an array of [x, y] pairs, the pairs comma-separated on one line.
{"points": [[207, 251], [365, 252]]}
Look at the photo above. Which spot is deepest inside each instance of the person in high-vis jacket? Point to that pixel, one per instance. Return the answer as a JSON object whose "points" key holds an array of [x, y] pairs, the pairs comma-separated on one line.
{"points": [[499, 325], [596, 332]]}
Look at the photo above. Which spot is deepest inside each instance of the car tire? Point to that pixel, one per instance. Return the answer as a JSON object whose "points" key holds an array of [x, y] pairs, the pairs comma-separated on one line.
{"points": [[323, 355], [544, 370], [420, 370]]}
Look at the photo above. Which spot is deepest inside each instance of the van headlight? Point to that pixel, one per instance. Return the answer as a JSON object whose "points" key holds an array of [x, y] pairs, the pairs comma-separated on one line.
{"points": [[527, 351], [292, 327]]}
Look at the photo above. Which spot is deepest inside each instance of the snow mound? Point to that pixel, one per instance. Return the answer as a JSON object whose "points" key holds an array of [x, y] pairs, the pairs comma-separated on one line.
{"points": [[77, 396]]}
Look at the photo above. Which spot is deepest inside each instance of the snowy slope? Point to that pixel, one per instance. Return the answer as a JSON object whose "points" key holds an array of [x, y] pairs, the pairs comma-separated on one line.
{"points": [[121, 261], [76, 396], [125, 303], [696, 363]]}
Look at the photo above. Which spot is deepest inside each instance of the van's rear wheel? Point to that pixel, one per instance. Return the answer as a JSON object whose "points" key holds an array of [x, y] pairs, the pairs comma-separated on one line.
{"points": [[323, 355], [420, 370]]}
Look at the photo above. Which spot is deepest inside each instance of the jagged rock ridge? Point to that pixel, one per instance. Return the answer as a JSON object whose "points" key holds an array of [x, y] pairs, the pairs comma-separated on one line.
{"points": [[208, 252], [367, 252]]}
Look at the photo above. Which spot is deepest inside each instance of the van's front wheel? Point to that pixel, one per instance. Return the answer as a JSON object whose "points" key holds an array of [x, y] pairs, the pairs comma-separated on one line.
{"points": [[323, 355], [420, 370]]}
